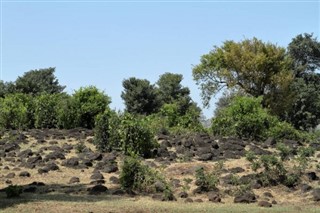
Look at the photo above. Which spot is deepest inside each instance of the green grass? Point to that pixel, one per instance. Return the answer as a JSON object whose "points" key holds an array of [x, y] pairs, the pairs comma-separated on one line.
{"points": [[105, 203]]}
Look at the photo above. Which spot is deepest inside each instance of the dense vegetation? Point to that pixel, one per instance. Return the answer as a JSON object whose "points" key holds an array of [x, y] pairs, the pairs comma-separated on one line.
{"points": [[254, 76]]}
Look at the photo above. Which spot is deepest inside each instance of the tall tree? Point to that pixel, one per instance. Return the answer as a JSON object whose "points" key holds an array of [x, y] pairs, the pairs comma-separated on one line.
{"points": [[140, 96], [39, 81], [170, 88], [255, 67], [304, 49], [304, 113]]}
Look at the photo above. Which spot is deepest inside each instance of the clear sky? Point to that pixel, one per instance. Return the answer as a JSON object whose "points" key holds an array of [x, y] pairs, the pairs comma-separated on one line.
{"points": [[104, 42]]}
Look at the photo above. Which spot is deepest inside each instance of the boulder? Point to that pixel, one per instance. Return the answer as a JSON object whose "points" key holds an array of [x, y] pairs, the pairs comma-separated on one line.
{"points": [[265, 204], [247, 197]]}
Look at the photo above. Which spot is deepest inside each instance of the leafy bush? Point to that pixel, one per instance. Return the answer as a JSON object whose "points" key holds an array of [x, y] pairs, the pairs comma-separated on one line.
{"points": [[67, 113], [13, 191], [136, 176], [284, 151], [89, 102], [106, 134], [14, 112], [246, 118], [206, 181], [136, 136], [46, 111]]}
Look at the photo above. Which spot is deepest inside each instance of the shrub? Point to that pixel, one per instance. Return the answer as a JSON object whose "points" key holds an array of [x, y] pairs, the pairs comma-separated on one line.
{"points": [[136, 136], [13, 191], [136, 176], [46, 111], [14, 112], [89, 102], [106, 134], [67, 113], [205, 181], [246, 118], [284, 151]]}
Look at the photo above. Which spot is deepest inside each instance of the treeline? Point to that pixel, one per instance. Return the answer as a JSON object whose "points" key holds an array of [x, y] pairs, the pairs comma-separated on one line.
{"points": [[37, 100], [269, 91]]}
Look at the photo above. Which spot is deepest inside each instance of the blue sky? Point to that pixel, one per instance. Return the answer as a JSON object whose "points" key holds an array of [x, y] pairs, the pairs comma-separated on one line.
{"points": [[102, 42]]}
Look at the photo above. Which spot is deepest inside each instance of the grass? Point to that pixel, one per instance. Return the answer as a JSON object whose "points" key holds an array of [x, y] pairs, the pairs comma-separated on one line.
{"points": [[55, 203]]}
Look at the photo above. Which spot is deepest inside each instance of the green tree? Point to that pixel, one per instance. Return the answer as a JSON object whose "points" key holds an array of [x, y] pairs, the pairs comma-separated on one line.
{"points": [[6, 88], [39, 81], [305, 108], [255, 67], [67, 116], [170, 88], [46, 110], [140, 97], [89, 102], [14, 112], [304, 49]]}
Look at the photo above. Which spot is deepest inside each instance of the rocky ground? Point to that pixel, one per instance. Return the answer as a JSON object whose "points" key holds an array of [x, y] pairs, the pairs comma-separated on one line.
{"points": [[66, 161]]}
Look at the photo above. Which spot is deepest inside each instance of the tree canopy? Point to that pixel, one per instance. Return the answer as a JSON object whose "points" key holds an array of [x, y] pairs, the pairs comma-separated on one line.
{"points": [[39, 81], [250, 65]]}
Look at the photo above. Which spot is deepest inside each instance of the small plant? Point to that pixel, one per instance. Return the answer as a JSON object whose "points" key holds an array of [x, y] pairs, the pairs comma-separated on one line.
{"points": [[284, 151], [250, 156], [13, 191], [205, 181], [186, 185]]}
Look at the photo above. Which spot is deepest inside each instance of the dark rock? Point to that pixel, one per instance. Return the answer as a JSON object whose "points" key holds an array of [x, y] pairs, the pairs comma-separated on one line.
{"points": [[10, 175], [265, 204], [24, 174], [316, 194], [8, 182], [205, 157], [274, 202], [114, 180], [97, 182], [188, 200], [236, 170], [315, 146], [8, 147], [258, 151], [36, 184], [214, 197], [183, 195], [6, 168], [54, 156], [30, 189], [110, 168], [305, 188], [71, 162], [198, 200], [87, 162], [176, 183], [94, 156], [97, 176], [67, 147], [34, 160], [43, 170], [25, 154], [247, 197], [312, 176], [268, 194], [52, 166], [74, 180], [97, 189]]}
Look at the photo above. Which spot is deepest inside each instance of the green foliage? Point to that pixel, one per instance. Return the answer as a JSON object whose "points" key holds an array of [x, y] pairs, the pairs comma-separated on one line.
{"points": [[284, 151], [13, 191], [89, 102], [244, 118], [304, 49], [136, 176], [136, 135], [257, 68], [67, 117], [304, 112], [45, 113], [39, 81], [14, 112], [6, 88], [170, 89], [140, 97], [106, 131], [206, 181]]}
